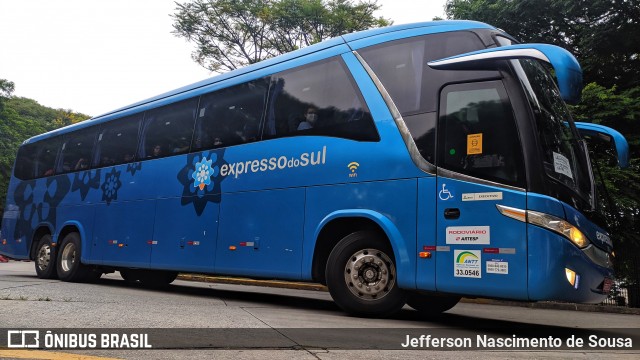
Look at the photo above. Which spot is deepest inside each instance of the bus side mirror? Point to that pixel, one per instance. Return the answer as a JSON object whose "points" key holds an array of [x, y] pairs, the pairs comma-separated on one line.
{"points": [[609, 136], [567, 68]]}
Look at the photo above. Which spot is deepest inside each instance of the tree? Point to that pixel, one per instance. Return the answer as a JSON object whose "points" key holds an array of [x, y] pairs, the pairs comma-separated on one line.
{"points": [[620, 194], [229, 34], [20, 119], [6, 88], [602, 34]]}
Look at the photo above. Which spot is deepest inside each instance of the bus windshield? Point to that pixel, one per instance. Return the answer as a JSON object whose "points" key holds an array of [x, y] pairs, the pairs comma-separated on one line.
{"points": [[565, 160]]}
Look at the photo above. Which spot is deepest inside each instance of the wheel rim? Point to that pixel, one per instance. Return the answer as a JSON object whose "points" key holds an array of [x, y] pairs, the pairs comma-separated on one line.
{"points": [[370, 274], [68, 257], [44, 257]]}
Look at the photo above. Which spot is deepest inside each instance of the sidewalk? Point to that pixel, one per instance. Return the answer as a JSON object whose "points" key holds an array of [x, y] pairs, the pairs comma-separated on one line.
{"points": [[319, 287]]}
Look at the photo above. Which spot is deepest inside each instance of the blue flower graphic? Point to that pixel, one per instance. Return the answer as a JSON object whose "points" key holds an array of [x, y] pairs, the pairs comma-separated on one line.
{"points": [[203, 173], [111, 185], [211, 183]]}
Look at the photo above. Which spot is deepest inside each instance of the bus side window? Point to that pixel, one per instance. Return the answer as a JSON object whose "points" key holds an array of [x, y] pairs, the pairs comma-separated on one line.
{"points": [[168, 130], [401, 66], [230, 116], [318, 99], [478, 134], [77, 151], [117, 142], [47, 154], [25, 162]]}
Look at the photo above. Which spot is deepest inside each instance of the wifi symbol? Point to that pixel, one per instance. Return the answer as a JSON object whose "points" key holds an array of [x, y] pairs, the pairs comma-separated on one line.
{"points": [[353, 166]]}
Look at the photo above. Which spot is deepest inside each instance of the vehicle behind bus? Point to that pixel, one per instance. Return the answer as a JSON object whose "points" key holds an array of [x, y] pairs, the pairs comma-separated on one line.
{"points": [[413, 164]]}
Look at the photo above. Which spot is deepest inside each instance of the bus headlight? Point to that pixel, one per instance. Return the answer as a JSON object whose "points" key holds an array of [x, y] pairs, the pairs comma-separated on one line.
{"points": [[559, 226], [548, 222], [577, 237]]}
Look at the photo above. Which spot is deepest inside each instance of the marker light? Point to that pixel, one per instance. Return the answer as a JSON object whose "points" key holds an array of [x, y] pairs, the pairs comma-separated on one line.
{"points": [[572, 277]]}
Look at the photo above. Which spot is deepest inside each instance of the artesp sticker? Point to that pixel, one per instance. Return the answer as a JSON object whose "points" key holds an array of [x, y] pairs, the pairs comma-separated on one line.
{"points": [[476, 235]]}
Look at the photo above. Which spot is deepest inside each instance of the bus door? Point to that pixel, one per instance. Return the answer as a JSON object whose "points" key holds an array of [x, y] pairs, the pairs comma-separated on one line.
{"points": [[480, 166]]}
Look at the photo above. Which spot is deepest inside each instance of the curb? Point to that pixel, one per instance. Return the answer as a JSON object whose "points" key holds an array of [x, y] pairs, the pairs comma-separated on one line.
{"points": [[548, 305], [252, 282]]}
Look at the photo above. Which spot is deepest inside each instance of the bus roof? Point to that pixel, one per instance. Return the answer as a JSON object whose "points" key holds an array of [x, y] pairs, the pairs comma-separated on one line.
{"points": [[450, 25]]}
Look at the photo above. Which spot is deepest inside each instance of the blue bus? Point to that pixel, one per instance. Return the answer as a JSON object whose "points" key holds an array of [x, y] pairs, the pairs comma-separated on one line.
{"points": [[411, 164]]}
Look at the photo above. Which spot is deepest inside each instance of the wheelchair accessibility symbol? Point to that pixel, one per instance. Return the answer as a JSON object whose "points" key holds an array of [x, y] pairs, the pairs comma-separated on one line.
{"points": [[444, 194]]}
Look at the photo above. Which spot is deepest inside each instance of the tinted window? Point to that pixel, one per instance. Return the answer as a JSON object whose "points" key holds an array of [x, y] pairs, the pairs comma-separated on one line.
{"points": [[423, 130], [77, 151], [318, 99], [402, 67], [478, 135], [25, 162], [47, 155], [562, 151], [168, 130], [230, 116], [118, 141]]}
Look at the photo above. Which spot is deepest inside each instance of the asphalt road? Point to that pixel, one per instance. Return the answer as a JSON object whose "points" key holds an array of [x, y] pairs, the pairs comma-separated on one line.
{"points": [[243, 322]]}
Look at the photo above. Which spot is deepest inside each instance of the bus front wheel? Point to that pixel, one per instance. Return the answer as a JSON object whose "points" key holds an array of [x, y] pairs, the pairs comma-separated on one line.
{"points": [[45, 258], [69, 266], [361, 276], [429, 304]]}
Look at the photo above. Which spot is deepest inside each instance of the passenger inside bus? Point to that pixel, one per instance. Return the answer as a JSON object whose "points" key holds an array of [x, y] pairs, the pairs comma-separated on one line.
{"points": [[310, 118], [157, 151]]}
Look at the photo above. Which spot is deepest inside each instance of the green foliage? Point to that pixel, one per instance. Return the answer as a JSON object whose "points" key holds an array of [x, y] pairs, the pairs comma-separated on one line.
{"points": [[6, 88], [620, 195], [602, 34], [610, 107], [20, 119], [229, 34]]}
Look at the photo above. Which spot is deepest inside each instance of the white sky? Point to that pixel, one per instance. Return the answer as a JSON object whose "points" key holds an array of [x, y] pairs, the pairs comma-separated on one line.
{"points": [[93, 56]]}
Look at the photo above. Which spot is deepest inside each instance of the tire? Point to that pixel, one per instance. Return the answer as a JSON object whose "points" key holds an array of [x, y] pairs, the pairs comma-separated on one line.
{"points": [[430, 304], [148, 278], [45, 259], [129, 276], [68, 264], [158, 279], [361, 276]]}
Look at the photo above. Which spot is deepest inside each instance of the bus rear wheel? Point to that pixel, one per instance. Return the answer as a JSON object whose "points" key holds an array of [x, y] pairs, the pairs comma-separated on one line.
{"points": [[68, 264], [361, 276], [430, 304], [45, 259]]}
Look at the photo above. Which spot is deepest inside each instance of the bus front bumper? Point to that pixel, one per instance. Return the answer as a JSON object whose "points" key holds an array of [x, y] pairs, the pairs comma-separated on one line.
{"points": [[558, 270]]}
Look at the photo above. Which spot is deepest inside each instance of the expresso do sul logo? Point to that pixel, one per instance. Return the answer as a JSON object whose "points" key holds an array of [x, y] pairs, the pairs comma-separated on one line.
{"points": [[604, 238]]}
